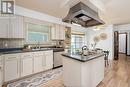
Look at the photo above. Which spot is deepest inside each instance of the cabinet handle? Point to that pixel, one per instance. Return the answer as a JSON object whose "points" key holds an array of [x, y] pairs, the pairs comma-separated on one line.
{"points": [[10, 58], [22, 66], [44, 61], [17, 67]]}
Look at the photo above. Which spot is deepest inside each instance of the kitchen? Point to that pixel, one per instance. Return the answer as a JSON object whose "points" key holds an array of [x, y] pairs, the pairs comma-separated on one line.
{"points": [[36, 48]]}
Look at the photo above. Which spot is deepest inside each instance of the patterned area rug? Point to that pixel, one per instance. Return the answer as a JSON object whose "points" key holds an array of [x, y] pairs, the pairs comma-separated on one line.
{"points": [[44, 79]]}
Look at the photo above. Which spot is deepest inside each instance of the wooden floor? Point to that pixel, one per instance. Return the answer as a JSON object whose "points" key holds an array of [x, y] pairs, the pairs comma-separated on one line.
{"points": [[117, 74]]}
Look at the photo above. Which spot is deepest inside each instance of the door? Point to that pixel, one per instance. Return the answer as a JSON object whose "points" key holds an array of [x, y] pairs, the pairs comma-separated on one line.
{"points": [[4, 25], [11, 67], [1, 71], [122, 43], [17, 27], [62, 33], [49, 59], [26, 64], [39, 62], [116, 45]]}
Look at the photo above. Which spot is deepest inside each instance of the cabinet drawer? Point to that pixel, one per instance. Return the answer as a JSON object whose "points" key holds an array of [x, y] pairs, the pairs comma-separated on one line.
{"points": [[38, 53], [50, 52], [9, 57], [26, 55]]}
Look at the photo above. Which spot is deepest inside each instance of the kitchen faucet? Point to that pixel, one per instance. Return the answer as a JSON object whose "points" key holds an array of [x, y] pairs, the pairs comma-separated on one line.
{"points": [[38, 45]]}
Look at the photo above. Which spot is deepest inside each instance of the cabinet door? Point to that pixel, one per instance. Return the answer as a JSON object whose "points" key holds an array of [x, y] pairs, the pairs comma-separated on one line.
{"points": [[26, 64], [4, 25], [17, 27], [39, 62], [11, 67], [49, 59], [57, 32], [62, 33], [53, 32], [1, 71]]}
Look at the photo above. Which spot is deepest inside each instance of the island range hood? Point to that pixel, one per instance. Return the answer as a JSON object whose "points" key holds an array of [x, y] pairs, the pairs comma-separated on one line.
{"points": [[83, 15]]}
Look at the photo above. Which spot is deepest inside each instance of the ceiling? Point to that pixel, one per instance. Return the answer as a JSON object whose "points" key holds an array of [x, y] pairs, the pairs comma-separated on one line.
{"points": [[111, 11]]}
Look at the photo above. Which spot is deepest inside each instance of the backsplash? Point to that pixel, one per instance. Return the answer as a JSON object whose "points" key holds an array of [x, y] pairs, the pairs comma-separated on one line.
{"points": [[11, 43], [19, 43]]}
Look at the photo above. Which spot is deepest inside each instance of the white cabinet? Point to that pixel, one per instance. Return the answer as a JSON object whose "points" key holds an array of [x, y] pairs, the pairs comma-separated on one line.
{"points": [[4, 25], [11, 67], [26, 64], [12, 27], [1, 71], [58, 32], [62, 32], [49, 59], [39, 62], [17, 27]]}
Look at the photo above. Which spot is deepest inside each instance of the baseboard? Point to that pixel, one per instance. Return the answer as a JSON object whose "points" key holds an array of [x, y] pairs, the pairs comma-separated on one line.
{"points": [[57, 67], [122, 53]]}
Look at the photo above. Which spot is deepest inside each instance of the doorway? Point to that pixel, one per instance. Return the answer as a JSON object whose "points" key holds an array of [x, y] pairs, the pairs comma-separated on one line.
{"points": [[122, 43]]}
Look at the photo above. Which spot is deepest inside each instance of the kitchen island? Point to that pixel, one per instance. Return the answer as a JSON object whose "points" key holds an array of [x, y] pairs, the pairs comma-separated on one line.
{"points": [[83, 71]]}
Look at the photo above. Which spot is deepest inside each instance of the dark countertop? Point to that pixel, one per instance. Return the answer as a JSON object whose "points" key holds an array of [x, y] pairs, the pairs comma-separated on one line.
{"points": [[82, 58], [21, 51]]}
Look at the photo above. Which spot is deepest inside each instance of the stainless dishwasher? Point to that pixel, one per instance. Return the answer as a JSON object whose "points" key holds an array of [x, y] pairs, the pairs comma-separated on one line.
{"points": [[58, 57]]}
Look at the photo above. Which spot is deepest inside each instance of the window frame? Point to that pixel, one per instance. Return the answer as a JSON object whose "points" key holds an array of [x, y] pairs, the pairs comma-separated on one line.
{"points": [[75, 42], [34, 42]]}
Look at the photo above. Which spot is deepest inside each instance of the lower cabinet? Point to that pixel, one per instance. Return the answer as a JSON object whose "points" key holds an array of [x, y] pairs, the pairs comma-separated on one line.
{"points": [[49, 59], [39, 62], [26, 64], [11, 67], [1, 71]]}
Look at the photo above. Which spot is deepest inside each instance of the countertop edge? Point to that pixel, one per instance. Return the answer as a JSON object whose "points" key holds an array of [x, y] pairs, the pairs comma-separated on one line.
{"points": [[81, 60]]}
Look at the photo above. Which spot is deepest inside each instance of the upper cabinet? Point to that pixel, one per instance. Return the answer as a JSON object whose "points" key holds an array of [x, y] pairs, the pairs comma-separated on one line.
{"points": [[4, 25], [12, 27], [17, 27], [58, 32]]}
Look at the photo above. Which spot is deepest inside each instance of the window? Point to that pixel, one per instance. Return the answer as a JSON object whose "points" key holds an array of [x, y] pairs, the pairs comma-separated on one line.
{"points": [[77, 42], [38, 33]]}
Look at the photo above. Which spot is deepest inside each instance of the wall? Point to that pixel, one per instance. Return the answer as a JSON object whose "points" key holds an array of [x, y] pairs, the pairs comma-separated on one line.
{"points": [[124, 28], [107, 44], [44, 17], [11, 43]]}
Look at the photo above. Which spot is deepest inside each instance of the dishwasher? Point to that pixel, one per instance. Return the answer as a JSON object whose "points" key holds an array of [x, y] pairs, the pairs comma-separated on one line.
{"points": [[58, 58], [1, 71]]}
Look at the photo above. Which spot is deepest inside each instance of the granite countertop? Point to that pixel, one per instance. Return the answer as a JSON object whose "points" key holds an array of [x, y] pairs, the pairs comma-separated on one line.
{"points": [[21, 51], [83, 58]]}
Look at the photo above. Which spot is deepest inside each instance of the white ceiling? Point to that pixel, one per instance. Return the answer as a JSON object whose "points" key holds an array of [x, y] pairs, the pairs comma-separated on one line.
{"points": [[111, 11]]}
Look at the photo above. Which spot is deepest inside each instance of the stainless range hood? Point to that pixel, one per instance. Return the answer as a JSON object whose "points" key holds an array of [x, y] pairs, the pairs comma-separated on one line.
{"points": [[83, 15]]}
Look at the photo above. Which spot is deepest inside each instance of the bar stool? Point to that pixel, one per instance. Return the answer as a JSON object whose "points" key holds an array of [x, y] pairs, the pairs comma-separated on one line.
{"points": [[106, 57]]}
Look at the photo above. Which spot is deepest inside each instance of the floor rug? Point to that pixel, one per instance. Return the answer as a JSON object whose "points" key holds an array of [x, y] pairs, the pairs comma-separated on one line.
{"points": [[38, 80]]}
